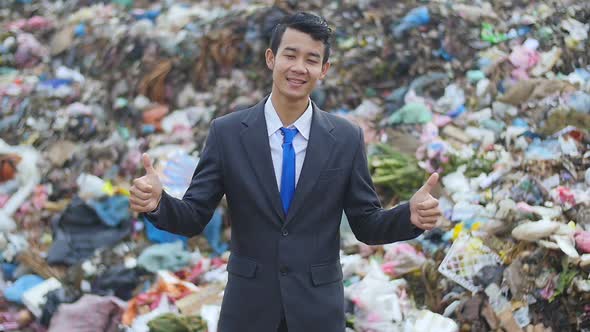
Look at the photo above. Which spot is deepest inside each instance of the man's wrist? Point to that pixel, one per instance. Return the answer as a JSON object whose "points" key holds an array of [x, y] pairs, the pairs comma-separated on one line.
{"points": [[158, 204]]}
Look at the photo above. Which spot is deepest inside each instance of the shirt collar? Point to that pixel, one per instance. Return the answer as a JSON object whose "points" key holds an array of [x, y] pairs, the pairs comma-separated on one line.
{"points": [[273, 122]]}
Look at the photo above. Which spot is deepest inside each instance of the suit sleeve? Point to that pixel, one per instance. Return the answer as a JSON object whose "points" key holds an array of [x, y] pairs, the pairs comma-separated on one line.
{"points": [[190, 215], [369, 222]]}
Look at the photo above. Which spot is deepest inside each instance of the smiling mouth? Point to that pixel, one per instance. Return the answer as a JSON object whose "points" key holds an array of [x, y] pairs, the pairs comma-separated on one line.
{"points": [[296, 81]]}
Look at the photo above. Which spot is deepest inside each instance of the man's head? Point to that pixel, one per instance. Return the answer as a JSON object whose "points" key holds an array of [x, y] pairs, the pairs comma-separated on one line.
{"points": [[310, 24], [298, 54]]}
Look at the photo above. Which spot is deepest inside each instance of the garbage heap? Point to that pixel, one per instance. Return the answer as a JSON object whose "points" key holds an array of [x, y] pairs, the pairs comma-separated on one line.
{"points": [[493, 96]]}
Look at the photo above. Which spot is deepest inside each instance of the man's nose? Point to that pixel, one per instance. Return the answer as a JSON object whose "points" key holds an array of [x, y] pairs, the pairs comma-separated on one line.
{"points": [[299, 67]]}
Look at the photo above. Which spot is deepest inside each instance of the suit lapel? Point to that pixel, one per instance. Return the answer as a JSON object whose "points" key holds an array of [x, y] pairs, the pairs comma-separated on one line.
{"points": [[317, 154], [255, 142]]}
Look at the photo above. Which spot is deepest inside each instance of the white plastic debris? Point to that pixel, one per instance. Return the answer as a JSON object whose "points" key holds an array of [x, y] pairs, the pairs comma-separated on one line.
{"points": [[522, 316], [578, 30], [67, 73], [14, 245], [551, 182], [535, 230], [450, 309], [141, 321], [456, 181], [368, 109], [466, 210], [485, 136], [568, 146], [453, 98], [566, 244], [34, 299], [430, 321], [546, 213], [494, 176], [465, 258], [186, 118], [378, 297], [506, 206], [353, 265], [27, 177], [90, 186], [210, 313]]}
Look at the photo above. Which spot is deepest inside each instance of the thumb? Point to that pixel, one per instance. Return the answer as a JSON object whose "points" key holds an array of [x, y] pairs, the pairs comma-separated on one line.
{"points": [[147, 164], [431, 182]]}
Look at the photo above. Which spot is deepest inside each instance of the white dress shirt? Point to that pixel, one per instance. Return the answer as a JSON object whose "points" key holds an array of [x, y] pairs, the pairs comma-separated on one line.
{"points": [[275, 138]]}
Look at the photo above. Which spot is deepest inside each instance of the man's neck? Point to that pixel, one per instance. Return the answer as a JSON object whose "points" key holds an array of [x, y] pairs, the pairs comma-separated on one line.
{"points": [[289, 110]]}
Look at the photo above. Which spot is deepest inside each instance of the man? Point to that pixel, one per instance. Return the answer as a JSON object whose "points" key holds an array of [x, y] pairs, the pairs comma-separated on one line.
{"points": [[288, 170]]}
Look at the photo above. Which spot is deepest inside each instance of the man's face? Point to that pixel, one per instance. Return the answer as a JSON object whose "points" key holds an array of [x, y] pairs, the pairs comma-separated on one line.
{"points": [[297, 66]]}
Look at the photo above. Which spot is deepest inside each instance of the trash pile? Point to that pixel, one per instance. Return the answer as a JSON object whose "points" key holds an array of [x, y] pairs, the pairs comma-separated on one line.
{"points": [[493, 96]]}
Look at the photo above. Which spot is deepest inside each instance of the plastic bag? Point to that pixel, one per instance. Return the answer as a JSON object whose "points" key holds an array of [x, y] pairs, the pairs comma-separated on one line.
{"points": [[380, 303], [401, 258], [27, 176]]}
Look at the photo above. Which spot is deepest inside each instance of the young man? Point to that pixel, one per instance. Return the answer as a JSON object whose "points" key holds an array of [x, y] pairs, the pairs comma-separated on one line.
{"points": [[288, 170]]}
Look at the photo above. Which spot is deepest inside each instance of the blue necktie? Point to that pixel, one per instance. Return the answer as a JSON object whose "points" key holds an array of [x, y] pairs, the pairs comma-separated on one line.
{"points": [[288, 173]]}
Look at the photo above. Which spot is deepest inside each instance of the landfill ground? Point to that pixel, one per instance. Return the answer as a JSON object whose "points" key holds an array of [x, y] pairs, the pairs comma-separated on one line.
{"points": [[495, 96]]}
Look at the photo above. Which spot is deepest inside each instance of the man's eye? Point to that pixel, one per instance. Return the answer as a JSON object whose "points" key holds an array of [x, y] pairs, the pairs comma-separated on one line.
{"points": [[290, 56], [313, 62]]}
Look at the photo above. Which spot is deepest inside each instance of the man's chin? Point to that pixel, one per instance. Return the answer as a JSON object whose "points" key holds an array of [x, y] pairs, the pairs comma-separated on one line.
{"points": [[295, 95]]}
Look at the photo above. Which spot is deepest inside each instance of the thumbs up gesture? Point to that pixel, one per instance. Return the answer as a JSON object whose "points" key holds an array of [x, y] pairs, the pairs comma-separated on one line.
{"points": [[146, 191], [424, 208]]}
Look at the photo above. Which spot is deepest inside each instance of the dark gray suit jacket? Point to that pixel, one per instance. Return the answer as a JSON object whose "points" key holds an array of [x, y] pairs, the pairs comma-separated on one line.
{"points": [[284, 263]]}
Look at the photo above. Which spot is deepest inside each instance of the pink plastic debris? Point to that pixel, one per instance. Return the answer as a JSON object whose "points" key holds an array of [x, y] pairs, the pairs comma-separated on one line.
{"points": [[524, 57], [566, 196], [583, 241], [522, 206], [441, 120], [32, 24], [401, 258], [29, 51], [3, 199]]}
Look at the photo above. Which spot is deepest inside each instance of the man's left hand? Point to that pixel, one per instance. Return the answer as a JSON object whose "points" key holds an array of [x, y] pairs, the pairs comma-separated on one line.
{"points": [[424, 210]]}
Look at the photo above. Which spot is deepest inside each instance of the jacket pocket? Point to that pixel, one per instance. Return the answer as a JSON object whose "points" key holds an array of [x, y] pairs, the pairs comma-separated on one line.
{"points": [[241, 266], [322, 274], [329, 174]]}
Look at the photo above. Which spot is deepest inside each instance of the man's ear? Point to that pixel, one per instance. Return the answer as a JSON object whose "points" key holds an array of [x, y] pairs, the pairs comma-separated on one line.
{"points": [[325, 68], [270, 59]]}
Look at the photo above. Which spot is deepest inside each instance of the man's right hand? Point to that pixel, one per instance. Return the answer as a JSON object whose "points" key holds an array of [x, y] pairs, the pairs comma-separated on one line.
{"points": [[146, 191]]}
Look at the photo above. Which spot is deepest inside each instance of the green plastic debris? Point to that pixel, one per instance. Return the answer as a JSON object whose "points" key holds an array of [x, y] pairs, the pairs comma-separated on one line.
{"points": [[124, 132], [166, 256], [7, 71], [566, 277], [496, 126], [411, 113], [370, 92], [123, 3], [475, 76], [490, 35], [545, 33], [171, 322], [395, 172], [347, 43], [120, 102]]}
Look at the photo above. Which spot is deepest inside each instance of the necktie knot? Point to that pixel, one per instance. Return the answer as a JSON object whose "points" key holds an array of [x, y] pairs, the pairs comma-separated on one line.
{"points": [[288, 135]]}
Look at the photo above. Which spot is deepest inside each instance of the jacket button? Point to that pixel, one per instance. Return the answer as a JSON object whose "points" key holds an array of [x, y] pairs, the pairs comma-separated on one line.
{"points": [[285, 232], [284, 270]]}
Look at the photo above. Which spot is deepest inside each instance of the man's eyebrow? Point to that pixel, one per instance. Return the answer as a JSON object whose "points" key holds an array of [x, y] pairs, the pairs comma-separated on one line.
{"points": [[292, 49]]}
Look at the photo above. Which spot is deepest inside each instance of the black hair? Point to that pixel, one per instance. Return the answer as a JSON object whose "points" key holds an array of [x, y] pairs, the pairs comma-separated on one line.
{"points": [[315, 26]]}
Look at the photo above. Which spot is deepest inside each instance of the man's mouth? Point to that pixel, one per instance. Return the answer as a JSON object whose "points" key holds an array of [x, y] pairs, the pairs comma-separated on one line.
{"points": [[296, 82]]}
